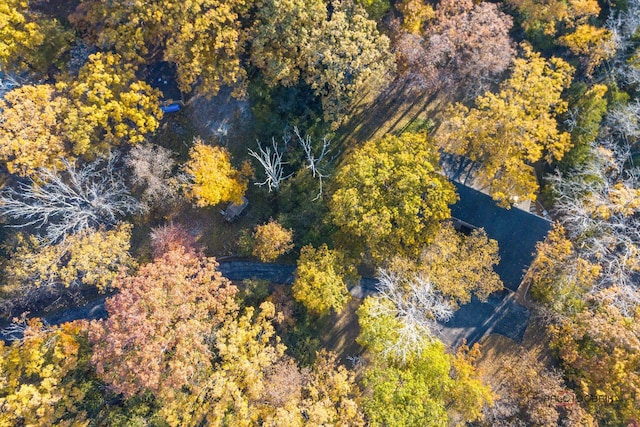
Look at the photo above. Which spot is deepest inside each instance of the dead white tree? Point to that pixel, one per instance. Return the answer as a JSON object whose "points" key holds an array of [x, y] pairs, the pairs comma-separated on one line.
{"points": [[9, 82], [624, 25], [313, 162], [416, 304], [599, 206], [62, 203], [272, 163]]}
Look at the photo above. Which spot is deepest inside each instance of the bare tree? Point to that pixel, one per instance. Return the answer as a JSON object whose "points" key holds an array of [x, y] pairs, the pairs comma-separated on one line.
{"points": [[313, 162], [624, 25], [599, 206], [417, 305], [272, 164], [63, 203], [9, 82], [152, 168]]}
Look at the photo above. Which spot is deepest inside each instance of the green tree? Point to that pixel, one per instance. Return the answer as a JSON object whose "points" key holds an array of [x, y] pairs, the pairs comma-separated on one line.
{"points": [[282, 38], [424, 386], [321, 280], [390, 196], [587, 107], [508, 131], [349, 58]]}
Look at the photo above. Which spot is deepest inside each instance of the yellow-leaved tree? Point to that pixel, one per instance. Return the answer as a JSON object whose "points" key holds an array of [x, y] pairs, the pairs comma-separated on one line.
{"points": [[271, 240], [594, 43], [390, 197], [214, 179], [509, 131], [37, 385], [89, 258], [27, 40], [460, 265], [109, 106], [321, 280], [204, 38], [31, 135]]}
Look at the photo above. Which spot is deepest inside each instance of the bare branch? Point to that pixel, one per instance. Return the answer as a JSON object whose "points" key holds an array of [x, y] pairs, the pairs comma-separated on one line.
{"points": [[71, 201], [313, 162], [416, 304], [599, 206], [272, 164]]}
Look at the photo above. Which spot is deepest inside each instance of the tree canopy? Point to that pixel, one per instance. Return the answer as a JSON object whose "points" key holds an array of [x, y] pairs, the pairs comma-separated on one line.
{"points": [[390, 196], [509, 131]]}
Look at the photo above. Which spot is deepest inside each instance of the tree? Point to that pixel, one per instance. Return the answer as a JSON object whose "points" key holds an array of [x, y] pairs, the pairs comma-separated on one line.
{"points": [[172, 237], [88, 258], [271, 240], [415, 13], [203, 37], [321, 280], [546, 15], [231, 388], [561, 278], [272, 164], [594, 43], [214, 179], [349, 58], [37, 382], [389, 195], [508, 131], [158, 333], [109, 106], [331, 396], [599, 349], [31, 133], [467, 44], [152, 169], [282, 37], [425, 390], [27, 40], [460, 265], [314, 162], [78, 199], [598, 205], [587, 108], [532, 393], [402, 317]]}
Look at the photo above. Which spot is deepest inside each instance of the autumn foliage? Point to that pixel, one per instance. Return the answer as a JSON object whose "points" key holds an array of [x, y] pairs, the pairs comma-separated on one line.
{"points": [[160, 323]]}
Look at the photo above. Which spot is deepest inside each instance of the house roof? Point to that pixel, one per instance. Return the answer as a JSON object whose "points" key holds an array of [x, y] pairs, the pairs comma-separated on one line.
{"points": [[515, 230]]}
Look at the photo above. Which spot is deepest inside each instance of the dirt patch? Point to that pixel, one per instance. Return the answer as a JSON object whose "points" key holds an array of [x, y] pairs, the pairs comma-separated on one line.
{"points": [[221, 117], [340, 333]]}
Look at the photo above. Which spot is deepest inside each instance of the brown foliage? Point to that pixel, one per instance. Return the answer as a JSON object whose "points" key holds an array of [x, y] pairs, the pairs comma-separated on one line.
{"points": [[160, 324], [467, 44], [172, 237]]}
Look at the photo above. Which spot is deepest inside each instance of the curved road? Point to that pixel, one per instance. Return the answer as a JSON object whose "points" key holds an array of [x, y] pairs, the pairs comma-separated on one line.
{"points": [[499, 314]]}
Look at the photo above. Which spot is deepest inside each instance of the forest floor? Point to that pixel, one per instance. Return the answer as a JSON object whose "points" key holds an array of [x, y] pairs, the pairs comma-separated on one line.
{"points": [[393, 111]]}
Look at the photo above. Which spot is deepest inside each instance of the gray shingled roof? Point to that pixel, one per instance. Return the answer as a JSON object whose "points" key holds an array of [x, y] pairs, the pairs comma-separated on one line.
{"points": [[516, 231]]}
